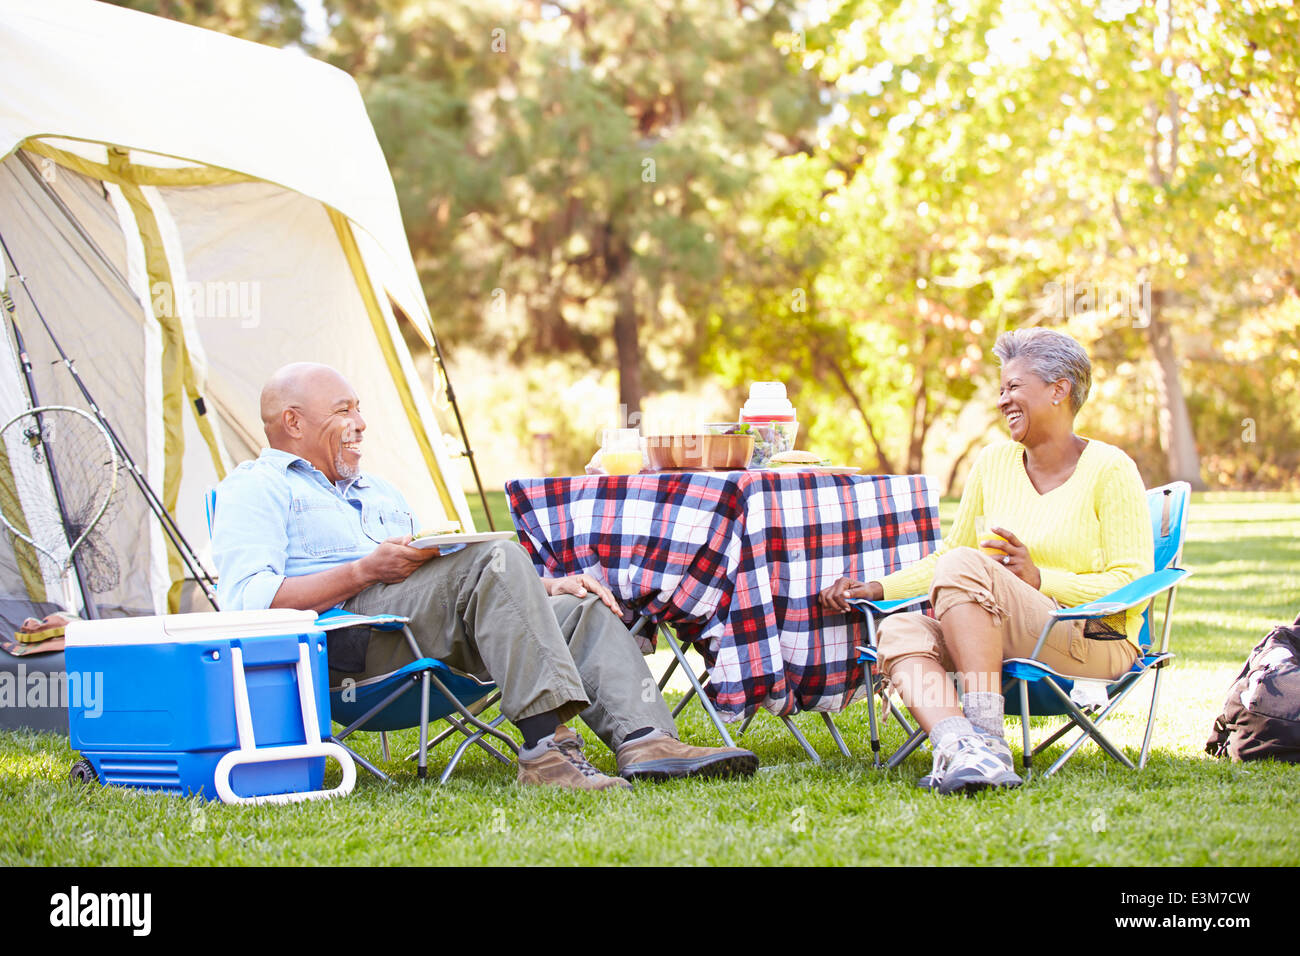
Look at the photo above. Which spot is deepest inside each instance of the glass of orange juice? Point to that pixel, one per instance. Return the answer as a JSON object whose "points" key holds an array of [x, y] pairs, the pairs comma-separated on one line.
{"points": [[620, 451], [984, 526]]}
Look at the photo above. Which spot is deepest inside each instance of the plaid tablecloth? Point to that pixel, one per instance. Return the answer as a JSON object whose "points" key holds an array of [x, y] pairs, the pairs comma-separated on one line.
{"points": [[734, 562]]}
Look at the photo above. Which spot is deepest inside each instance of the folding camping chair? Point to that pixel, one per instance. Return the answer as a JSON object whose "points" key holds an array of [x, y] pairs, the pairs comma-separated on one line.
{"points": [[1049, 694], [697, 691], [401, 700]]}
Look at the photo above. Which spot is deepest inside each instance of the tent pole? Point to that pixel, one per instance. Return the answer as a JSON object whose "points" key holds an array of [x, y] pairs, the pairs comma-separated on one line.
{"points": [[455, 407], [169, 526]]}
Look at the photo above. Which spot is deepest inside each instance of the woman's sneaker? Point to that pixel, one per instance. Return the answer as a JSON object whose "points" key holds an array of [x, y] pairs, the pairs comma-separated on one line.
{"points": [[931, 779], [969, 765], [1000, 747]]}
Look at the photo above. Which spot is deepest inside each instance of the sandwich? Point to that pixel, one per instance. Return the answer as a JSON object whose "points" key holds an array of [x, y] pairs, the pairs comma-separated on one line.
{"points": [[797, 459], [449, 527]]}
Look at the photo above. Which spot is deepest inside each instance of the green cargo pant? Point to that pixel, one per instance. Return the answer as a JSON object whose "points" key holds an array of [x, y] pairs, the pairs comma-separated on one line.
{"points": [[483, 611]]}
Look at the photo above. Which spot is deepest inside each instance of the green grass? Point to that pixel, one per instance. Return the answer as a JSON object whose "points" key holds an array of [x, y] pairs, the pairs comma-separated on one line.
{"points": [[1185, 809], [500, 509]]}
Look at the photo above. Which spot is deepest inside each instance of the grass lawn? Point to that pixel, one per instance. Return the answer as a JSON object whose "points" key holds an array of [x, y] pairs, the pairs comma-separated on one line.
{"points": [[1185, 809]]}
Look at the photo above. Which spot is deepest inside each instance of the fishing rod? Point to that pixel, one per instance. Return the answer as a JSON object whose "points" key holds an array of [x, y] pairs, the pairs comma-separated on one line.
{"points": [[88, 603], [155, 504], [455, 407], [188, 554]]}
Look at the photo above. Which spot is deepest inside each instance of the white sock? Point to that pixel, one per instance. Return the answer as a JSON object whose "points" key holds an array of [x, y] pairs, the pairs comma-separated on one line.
{"points": [[946, 731], [985, 711]]}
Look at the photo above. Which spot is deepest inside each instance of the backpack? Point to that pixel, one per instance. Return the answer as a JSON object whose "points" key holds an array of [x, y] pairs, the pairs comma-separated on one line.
{"points": [[1261, 717]]}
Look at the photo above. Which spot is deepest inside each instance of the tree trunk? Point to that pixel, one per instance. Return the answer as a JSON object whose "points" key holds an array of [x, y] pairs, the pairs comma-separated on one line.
{"points": [[1174, 421], [974, 443], [916, 438], [628, 343], [1175, 424], [882, 460]]}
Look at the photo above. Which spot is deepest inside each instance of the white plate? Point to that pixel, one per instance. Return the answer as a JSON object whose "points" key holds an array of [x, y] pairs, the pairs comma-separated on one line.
{"points": [[820, 469], [473, 537]]}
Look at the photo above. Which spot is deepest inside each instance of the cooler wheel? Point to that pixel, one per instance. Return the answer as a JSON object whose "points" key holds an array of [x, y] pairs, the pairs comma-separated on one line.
{"points": [[83, 772]]}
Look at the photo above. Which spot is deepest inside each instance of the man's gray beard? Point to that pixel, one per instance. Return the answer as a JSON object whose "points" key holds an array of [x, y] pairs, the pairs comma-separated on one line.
{"points": [[345, 470]]}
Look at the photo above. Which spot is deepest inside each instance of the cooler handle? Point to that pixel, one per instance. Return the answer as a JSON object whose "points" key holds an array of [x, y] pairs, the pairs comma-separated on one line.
{"points": [[249, 752]]}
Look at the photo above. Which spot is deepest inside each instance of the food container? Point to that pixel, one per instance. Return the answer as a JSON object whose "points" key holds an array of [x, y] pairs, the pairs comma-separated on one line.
{"points": [[701, 452], [770, 438], [772, 421]]}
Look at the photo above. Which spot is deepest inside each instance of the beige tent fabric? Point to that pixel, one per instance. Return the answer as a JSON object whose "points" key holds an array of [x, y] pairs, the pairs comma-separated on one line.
{"points": [[285, 236], [89, 71], [185, 239], [98, 323]]}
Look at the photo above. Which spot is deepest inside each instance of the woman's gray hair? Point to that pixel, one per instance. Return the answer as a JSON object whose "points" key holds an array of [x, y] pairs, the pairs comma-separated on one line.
{"points": [[1051, 356]]}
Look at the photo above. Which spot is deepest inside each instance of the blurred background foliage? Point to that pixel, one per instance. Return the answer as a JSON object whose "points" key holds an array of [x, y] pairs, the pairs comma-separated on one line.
{"points": [[625, 208]]}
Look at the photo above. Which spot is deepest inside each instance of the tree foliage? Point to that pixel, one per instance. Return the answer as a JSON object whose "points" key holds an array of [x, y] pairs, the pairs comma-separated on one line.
{"points": [[563, 168], [274, 22], [1125, 171], [854, 197]]}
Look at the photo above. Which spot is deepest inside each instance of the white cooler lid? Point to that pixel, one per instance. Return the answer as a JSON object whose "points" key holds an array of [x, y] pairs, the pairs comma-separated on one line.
{"points": [[187, 628]]}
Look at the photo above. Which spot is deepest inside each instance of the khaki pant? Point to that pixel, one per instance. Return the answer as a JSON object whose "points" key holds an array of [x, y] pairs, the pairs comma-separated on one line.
{"points": [[483, 611], [969, 576]]}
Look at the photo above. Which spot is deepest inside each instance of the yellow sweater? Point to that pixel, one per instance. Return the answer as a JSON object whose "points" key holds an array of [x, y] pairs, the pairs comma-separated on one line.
{"points": [[1088, 536]]}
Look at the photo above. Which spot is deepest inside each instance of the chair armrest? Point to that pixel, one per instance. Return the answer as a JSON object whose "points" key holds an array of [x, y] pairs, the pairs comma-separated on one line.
{"points": [[335, 618], [889, 607], [1130, 595]]}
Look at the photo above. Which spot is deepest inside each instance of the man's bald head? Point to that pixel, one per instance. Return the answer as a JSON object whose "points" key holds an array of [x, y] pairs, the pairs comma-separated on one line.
{"points": [[310, 410], [297, 385]]}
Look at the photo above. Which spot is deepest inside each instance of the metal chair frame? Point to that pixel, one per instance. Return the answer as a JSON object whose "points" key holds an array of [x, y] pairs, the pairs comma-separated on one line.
{"points": [[422, 673], [697, 691], [1021, 672]]}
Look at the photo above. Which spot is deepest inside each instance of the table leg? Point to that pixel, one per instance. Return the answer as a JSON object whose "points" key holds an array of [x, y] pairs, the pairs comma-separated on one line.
{"points": [[697, 686], [803, 741], [835, 734]]}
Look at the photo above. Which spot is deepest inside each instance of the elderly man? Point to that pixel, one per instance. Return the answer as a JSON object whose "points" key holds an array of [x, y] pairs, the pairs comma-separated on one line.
{"points": [[304, 527]]}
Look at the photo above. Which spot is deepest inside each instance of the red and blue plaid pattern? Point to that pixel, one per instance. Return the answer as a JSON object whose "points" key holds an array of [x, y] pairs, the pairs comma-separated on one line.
{"points": [[734, 561]]}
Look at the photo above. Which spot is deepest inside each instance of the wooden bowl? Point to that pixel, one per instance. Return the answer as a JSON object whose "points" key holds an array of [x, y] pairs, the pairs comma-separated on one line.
{"points": [[699, 452]]}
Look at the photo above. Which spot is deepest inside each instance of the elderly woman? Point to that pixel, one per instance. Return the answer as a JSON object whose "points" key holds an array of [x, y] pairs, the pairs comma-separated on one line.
{"points": [[1063, 520]]}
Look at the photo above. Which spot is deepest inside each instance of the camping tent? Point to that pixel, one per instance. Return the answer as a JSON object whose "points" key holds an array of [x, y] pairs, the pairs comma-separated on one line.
{"points": [[188, 212]]}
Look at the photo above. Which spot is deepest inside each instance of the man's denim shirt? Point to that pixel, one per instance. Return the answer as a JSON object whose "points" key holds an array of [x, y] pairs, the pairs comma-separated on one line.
{"points": [[279, 517]]}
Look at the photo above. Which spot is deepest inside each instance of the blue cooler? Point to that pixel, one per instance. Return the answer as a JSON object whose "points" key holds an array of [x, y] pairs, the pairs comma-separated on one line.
{"points": [[232, 705]]}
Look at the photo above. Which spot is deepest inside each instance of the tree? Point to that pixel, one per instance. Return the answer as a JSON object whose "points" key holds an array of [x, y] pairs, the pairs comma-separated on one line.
{"points": [[994, 155], [915, 200], [563, 167], [856, 205], [1181, 159]]}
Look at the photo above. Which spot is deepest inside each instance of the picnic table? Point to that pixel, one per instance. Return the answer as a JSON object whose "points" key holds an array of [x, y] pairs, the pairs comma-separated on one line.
{"points": [[733, 561]]}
